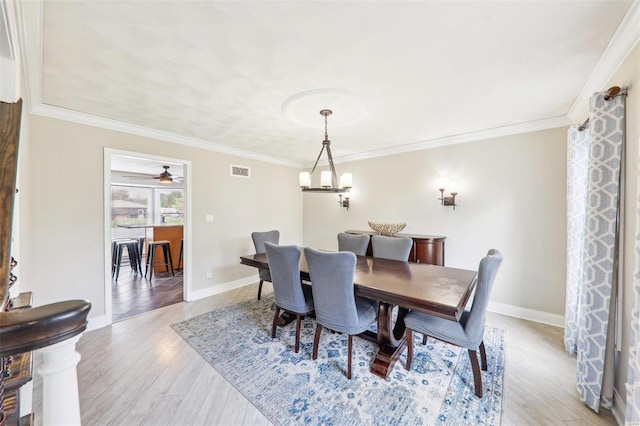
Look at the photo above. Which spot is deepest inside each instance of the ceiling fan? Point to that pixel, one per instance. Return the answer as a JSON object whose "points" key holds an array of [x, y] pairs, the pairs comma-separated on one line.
{"points": [[164, 177]]}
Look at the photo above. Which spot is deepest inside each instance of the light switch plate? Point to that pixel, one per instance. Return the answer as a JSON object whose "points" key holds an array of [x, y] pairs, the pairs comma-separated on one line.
{"points": [[208, 218]]}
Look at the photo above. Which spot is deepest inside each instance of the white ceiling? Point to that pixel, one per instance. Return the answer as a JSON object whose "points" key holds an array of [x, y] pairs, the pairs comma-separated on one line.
{"points": [[400, 72]]}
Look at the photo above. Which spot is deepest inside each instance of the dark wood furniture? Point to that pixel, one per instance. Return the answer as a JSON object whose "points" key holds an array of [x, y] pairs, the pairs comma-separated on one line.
{"points": [[173, 234], [19, 373], [433, 289], [426, 248]]}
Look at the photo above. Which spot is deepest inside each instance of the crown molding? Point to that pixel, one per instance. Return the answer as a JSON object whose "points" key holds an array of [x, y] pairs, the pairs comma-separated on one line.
{"points": [[30, 33], [620, 46], [531, 126], [30, 20], [105, 123], [30, 24]]}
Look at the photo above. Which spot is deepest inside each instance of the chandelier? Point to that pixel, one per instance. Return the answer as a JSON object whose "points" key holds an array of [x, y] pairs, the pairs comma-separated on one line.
{"points": [[328, 178]]}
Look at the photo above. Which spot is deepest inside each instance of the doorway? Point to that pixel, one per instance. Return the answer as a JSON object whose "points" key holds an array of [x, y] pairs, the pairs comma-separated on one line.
{"points": [[147, 200]]}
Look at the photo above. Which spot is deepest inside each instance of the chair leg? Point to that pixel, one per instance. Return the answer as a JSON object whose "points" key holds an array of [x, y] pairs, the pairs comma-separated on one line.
{"points": [[137, 261], [409, 333], [166, 258], [316, 341], [275, 321], [260, 289], [114, 257], [349, 358], [140, 252], [130, 254], [151, 260], [133, 257], [119, 261], [477, 376], [424, 339], [173, 272], [483, 356], [141, 241], [298, 321]]}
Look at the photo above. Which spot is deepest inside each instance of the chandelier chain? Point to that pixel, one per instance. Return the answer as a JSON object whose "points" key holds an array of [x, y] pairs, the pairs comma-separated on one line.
{"points": [[326, 134]]}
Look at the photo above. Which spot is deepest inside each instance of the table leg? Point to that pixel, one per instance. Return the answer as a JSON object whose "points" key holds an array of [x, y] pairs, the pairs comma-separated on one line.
{"points": [[391, 339], [286, 318]]}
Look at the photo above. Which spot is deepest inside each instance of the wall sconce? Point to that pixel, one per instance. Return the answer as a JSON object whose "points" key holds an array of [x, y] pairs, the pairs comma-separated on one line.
{"points": [[448, 201], [345, 202]]}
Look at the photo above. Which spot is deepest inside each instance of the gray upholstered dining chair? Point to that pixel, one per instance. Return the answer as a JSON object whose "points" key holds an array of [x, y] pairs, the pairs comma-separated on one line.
{"points": [[356, 244], [290, 294], [469, 331], [259, 238], [394, 248], [337, 306]]}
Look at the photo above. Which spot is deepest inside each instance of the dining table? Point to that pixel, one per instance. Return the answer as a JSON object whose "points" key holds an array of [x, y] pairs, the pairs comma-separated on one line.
{"points": [[398, 286]]}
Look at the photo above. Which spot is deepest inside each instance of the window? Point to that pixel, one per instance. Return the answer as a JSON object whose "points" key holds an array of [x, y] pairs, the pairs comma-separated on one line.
{"points": [[136, 205], [130, 205], [170, 206]]}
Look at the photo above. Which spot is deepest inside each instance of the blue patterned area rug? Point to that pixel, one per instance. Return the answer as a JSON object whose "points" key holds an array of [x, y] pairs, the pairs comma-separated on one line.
{"points": [[291, 389]]}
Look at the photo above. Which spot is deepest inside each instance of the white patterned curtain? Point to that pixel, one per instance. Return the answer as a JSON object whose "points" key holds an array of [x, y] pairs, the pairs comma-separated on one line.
{"points": [[577, 164], [593, 204]]}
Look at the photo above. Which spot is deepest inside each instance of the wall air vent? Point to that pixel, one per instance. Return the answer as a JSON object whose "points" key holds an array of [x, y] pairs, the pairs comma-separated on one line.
{"points": [[240, 171]]}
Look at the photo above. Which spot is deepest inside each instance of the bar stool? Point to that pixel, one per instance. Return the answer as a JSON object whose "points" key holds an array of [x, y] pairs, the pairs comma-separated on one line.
{"points": [[117, 247], [151, 256]]}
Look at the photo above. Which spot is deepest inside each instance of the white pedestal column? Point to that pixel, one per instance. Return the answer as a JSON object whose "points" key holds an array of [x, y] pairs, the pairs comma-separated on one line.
{"points": [[60, 399]]}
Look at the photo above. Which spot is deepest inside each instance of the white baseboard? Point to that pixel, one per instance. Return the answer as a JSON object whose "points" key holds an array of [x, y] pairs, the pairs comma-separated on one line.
{"points": [[619, 407], [221, 288], [527, 314], [101, 321], [96, 322], [498, 308]]}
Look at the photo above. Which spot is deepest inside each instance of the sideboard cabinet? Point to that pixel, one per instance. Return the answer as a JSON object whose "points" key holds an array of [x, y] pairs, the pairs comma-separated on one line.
{"points": [[426, 248]]}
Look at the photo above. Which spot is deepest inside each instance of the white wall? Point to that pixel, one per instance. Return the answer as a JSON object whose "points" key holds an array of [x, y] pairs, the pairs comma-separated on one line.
{"points": [[65, 215], [628, 75], [512, 196]]}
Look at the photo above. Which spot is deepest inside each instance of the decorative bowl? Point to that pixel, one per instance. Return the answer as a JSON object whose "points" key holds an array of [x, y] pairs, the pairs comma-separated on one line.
{"points": [[388, 229]]}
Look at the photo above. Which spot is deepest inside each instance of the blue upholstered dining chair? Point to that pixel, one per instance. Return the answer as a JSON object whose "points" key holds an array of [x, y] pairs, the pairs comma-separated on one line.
{"points": [[290, 294], [337, 306], [356, 244], [469, 331], [259, 238], [394, 248]]}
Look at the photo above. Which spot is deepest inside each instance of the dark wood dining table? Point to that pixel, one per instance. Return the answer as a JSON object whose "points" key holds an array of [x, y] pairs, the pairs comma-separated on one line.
{"points": [[437, 290]]}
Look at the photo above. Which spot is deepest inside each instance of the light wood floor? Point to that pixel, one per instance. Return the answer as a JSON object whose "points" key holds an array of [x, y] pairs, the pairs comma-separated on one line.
{"points": [[138, 371]]}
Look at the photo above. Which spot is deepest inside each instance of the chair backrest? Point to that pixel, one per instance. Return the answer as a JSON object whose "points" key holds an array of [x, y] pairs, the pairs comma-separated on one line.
{"points": [[332, 286], [284, 264], [259, 238], [394, 248], [489, 265], [356, 244]]}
